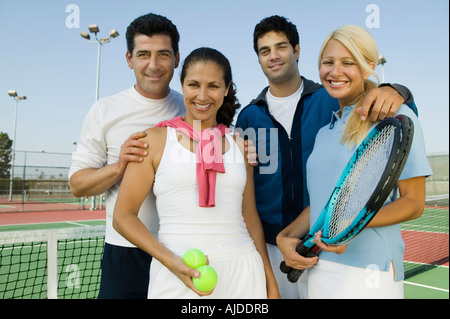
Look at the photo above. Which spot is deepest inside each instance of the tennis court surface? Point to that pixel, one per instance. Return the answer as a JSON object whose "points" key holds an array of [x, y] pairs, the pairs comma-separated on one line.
{"points": [[58, 254], [426, 256]]}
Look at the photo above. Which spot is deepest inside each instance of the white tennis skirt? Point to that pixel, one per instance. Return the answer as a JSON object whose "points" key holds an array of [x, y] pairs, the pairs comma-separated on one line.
{"points": [[240, 276], [330, 280]]}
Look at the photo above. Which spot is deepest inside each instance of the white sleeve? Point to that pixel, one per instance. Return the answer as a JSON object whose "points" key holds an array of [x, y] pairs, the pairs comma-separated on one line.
{"points": [[91, 149]]}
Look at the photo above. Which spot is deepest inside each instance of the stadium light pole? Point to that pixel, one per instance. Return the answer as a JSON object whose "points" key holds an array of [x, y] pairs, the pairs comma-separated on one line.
{"points": [[17, 98], [93, 28], [382, 61]]}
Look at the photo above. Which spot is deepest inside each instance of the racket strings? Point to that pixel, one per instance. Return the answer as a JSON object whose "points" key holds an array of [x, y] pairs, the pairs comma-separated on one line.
{"points": [[361, 182]]}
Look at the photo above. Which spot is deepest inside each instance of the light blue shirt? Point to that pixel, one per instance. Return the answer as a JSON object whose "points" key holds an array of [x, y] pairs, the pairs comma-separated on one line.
{"points": [[373, 248]]}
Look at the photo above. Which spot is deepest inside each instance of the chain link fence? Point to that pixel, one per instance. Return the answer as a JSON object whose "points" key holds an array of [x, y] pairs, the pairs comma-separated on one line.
{"points": [[40, 183]]}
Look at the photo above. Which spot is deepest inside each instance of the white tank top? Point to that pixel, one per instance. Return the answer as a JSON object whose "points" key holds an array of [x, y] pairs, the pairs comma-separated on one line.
{"points": [[217, 231]]}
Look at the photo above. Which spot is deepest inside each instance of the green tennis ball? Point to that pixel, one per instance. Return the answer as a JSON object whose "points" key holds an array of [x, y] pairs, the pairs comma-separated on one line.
{"points": [[207, 280], [194, 258]]}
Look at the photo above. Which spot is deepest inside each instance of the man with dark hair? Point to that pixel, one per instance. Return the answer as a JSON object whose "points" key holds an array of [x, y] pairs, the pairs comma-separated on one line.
{"points": [[108, 142], [286, 117], [150, 25]]}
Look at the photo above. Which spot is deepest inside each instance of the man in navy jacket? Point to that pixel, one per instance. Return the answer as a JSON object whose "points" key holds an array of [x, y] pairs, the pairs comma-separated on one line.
{"points": [[283, 122]]}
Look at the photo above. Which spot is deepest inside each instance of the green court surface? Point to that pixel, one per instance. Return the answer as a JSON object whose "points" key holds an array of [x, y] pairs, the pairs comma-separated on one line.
{"points": [[431, 284]]}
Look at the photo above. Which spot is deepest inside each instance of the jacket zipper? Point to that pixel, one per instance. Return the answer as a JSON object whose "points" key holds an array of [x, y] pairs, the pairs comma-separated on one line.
{"points": [[290, 139]]}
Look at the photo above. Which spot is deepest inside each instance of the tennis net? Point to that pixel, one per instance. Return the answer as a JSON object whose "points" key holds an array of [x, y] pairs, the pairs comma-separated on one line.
{"points": [[54, 264]]}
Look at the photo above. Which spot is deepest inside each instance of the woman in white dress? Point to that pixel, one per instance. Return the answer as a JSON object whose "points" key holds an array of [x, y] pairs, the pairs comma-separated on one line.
{"points": [[204, 191]]}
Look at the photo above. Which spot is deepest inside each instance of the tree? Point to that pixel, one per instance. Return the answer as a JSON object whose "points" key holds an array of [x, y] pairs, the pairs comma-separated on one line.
{"points": [[5, 155]]}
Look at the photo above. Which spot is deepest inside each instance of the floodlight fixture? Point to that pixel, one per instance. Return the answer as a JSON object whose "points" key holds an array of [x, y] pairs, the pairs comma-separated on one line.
{"points": [[85, 35], [381, 60], [113, 33], [13, 94], [93, 28]]}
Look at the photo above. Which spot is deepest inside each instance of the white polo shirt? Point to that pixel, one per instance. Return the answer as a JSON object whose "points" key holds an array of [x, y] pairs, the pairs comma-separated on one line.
{"points": [[108, 124]]}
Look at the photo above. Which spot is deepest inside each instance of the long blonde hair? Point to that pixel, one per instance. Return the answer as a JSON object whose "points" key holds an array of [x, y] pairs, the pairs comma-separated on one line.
{"points": [[362, 46]]}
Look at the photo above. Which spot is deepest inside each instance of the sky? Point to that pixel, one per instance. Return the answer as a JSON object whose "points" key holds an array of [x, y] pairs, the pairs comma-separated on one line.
{"points": [[43, 56]]}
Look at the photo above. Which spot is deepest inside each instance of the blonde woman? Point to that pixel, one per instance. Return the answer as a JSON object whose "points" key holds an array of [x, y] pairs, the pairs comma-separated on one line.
{"points": [[371, 265]]}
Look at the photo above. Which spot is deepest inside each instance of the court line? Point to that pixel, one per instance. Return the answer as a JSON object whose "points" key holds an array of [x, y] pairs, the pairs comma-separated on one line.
{"points": [[37, 226], [77, 224], [425, 286]]}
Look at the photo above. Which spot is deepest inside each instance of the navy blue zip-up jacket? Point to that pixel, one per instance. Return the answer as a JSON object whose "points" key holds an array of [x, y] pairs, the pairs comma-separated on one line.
{"points": [[280, 176]]}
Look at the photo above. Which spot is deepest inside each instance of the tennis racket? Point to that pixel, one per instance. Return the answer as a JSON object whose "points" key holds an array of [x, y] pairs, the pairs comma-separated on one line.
{"points": [[363, 187]]}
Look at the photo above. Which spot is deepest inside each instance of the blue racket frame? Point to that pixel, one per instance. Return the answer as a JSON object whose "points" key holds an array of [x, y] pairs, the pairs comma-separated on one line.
{"points": [[399, 154]]}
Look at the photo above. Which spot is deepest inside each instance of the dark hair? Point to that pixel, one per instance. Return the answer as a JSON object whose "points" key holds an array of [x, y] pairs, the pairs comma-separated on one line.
{"points": [[230, 103], [152, 24], [277, 24]]}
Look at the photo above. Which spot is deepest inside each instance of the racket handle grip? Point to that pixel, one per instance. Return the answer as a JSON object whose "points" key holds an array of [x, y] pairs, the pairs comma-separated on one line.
{"points": [[295, 274], [285, 268], [292, 273]]}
